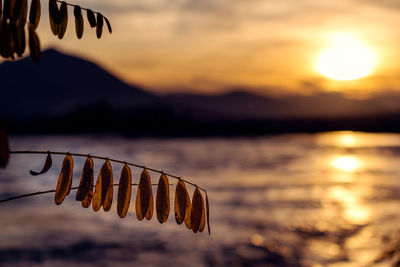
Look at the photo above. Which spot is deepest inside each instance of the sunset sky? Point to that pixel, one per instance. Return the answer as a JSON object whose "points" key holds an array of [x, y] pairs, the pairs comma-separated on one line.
{"points": [[267, 46]]}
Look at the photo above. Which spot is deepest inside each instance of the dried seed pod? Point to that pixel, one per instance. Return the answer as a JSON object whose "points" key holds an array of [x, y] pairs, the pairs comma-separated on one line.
{"points": [[19, 39], [102, 186], [182, 205], [197, 210], [108, 25], [21, 20], [78, 21], [144, 196], [64, 20], [17, 10], [150, 211], [4, 149], [110, 190], [10, 39], [162, 199], [88, 199], [34, 44], [1, 9], [46, 166], [8, 9], [203, 220], [99, 26], [124, 191], [34, 13], [54, 16], [86, 183], [65, 180], [91, 18], [208, 214]]}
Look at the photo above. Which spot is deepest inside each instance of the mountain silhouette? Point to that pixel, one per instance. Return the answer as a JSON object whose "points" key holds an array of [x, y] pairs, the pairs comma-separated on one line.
{"points": [[58, 83], [66, 90]]}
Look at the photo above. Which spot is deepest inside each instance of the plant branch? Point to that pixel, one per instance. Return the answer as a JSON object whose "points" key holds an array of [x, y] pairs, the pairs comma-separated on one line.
{"points": [[68, 4], [46, 192], [105, 158]]}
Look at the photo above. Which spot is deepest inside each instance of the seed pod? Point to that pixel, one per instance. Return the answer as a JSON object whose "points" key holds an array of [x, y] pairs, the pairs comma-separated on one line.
{"points": [[203, 220], [19, 39], [86, 183], [208, 215], [54, 16], [4, 149], [182, 205], [162, 199], [34, 44], [46, 166], [64, 20], [91, 18], [99, 26], [78, 21], [17, 9], [197, 210], [34, 13], [150, 211], [64, 180], [1, 9], [10, 39], [88, 199], [8, 9], [124, 191], [110, 190], [144, 196], [102, 186], [108, 25], [21, 20]]}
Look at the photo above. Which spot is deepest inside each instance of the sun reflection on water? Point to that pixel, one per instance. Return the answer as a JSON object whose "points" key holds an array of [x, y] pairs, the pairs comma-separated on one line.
{"points": [[346, 163], [351, 201]]}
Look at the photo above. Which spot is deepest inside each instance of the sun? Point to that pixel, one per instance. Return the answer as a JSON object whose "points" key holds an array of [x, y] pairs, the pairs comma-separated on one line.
{"points": [[346, 58]]}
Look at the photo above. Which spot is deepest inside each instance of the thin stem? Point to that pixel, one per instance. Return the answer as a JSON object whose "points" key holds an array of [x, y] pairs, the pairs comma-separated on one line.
{"points": [[46, 192], [104, 158], [59, 1]]}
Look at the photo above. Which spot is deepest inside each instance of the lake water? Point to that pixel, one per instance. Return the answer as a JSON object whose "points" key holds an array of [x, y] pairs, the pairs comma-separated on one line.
{"points": [[329, 199]]}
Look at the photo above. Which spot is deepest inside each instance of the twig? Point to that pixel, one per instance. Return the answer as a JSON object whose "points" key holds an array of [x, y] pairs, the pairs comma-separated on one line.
{"points": [[46, 192], [59, 1], [104, 158]]}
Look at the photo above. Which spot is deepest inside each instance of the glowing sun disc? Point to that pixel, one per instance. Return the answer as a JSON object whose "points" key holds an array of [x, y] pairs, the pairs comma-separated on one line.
{"points": [[346, 58]]}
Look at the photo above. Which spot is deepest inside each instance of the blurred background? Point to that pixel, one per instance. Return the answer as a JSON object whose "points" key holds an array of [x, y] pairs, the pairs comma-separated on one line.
{"points": [[287, 112]]}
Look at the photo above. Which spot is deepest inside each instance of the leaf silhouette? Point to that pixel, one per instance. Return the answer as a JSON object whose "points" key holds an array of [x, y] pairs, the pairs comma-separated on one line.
{"points": [[34, 44], [108, 25], [110, 189], [64, 180], [4, 149], [99, 26], [21, 21], [17, 10], [124, 191], [78, 21], [197, 210], [64, 20], [102, 185], [35, 13], [86, 183], [46, 166], [91, 18], [8, 9], [144, 196], [19, 39], [162, 199], [54, 16], [208, 215], [182, 205]]}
